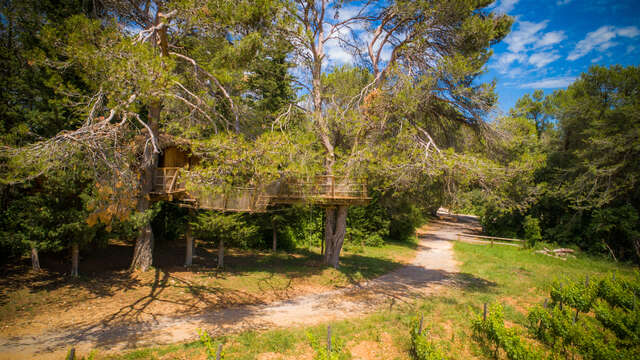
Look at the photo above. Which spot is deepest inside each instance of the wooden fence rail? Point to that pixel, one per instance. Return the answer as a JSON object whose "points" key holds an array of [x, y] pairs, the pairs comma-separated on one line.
{"points": [[491, 240]]}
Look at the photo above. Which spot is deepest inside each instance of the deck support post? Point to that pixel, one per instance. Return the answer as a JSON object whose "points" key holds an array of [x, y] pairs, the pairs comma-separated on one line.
{"points": [[188, 260], [220, 254]]}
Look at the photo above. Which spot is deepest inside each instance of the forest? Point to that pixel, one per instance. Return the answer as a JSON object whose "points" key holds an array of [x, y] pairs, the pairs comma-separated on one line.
{"points": [[94, 92]]}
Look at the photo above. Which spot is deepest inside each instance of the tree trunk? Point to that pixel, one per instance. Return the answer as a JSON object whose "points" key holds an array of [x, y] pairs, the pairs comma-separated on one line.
{"points": [[143, 252], [220, 254], [329, 226], [334, 231], [75, 253], [35, 260], [275, 236], [188, 261]]}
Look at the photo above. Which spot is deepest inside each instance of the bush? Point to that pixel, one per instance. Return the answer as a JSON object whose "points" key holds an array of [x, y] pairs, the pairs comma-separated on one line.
{"points": [[422, 348], [612, 333], [231, 228], [492, 332], [210, 348], [531, 227], [321, 352]]}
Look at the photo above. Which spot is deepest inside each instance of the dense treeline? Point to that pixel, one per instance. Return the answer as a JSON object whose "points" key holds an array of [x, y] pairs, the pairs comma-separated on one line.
{"points": [[571, 166], [91, 89]]}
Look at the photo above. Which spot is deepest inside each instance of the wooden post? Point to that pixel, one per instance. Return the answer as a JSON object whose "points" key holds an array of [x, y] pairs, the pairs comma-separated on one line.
{"points": [[420, 327], [35, 260], [586, 281], [329, 339], [219, 352], [188, 261], [484, 313], [72, 354], [492, 242], [75, 254], [274, 235], [575, 318], [323, 233], [545, 303]]}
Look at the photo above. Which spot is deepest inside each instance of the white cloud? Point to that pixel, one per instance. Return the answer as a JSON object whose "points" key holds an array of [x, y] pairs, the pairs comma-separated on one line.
{"points": [[601, 40], [549, 83], [529, 34], [630, 49], [563, 2], [505, 6], [595, 60], [629, 31], [551, 38], [507, 58], [526, 34], [527, 37], [336, 53], [542, 58]]}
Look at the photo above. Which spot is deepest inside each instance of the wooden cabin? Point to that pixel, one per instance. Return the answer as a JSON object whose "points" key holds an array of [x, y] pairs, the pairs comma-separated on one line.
{"points": [[172, 159], [175, 159]]}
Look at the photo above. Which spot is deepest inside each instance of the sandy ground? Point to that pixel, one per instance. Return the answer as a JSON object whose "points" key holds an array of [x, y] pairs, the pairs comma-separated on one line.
{"points": [[434, 266]]}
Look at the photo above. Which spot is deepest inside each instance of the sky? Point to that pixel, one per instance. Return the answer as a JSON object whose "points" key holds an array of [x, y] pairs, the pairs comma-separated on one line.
{"points": [[553, 41]]}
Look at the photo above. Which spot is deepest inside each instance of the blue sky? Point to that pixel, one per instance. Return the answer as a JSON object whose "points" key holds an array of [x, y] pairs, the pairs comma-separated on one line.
{"points": [[553, 41]]}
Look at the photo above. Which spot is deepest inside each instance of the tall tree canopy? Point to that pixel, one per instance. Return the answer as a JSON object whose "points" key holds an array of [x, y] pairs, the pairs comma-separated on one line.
{"points": [[151, 68], [578, 169], [414, 84], [218, 73]]}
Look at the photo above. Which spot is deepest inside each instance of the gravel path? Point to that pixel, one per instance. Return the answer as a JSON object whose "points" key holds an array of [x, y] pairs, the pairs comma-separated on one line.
{"points": [[434, 266]]}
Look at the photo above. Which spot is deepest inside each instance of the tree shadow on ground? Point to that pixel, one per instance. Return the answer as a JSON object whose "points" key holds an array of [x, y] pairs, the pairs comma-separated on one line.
{"points": [[102, 273]]}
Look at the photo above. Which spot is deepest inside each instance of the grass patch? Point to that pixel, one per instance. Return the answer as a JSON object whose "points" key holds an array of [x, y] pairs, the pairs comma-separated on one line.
{"points": [[513, 277]]}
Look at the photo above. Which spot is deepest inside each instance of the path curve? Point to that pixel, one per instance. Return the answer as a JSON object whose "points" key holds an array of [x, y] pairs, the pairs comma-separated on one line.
{"points": [[434, 266]]}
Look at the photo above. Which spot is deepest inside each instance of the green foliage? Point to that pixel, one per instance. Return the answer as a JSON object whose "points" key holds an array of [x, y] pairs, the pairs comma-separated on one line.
{"points": [[492, 333], [367, 225], [321, 352], [210, 346], [531, 227], [50, 215], [613, 332], [233, 228], [169, 223], [423, 348], [91, 355], [566, 162]]}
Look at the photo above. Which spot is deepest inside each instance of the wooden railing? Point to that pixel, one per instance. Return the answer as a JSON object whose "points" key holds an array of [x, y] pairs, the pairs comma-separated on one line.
{"points": [[327, 190], [167, 180], [322, 186], [491, 240]]}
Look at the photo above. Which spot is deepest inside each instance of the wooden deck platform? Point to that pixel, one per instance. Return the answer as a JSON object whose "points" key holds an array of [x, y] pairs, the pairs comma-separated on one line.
{"points": [[321, 190]]}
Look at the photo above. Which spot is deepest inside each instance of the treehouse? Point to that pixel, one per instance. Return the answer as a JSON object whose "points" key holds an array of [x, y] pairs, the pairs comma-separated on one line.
{"points": [[176, 161]]}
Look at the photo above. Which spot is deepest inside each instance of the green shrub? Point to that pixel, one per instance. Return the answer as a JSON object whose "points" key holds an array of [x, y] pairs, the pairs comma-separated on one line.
{"points": [[233, 229], [532, 232], [321, 352], [613, 332], [423, 348], [210, 347], [492, 332]]}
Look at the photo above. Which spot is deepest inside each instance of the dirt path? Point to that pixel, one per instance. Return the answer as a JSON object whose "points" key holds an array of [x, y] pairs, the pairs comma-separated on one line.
{"points": [[433, 267]]}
